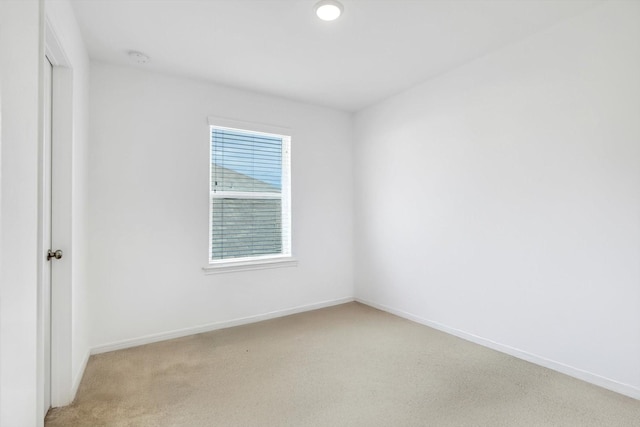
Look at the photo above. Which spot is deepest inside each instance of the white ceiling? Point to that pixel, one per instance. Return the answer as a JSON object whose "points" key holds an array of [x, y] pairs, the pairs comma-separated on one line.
{"points": [[376, 49]]}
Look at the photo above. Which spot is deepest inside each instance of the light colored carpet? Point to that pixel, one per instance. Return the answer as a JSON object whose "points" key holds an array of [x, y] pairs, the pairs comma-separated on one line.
{"points": [[348, 365]]}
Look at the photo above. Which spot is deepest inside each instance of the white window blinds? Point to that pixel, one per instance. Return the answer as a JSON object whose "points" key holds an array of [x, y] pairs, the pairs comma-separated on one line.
{"points": [[249, 195]]}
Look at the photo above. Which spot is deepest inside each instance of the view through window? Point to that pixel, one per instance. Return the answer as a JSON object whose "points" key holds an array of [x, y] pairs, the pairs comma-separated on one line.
{"points": [[249, 188]]}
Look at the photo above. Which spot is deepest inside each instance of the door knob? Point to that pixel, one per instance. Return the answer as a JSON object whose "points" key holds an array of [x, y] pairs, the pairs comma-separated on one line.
{"points": [[54, 254]]}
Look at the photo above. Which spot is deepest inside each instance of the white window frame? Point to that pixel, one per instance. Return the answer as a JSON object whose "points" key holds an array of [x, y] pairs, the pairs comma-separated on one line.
{"points": [[285, 259]]}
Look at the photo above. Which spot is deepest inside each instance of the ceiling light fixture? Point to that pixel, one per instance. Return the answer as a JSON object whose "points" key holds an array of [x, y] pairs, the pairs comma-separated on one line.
{"points": [[328, 10], [138, 57]]}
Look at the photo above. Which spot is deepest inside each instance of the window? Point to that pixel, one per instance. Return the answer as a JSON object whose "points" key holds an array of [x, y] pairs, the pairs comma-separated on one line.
{"points": [[249, 204]]}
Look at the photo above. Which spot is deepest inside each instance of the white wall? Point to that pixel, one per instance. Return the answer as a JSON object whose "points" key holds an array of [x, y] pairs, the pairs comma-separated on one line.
{"points": [[19, 95], [501, 201], [148, 185], [70, 208]]}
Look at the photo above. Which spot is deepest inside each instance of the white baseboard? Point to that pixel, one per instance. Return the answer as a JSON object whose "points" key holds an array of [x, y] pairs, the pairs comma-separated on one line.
{"points": [[163, 336], [618, 387], [78, 377]]}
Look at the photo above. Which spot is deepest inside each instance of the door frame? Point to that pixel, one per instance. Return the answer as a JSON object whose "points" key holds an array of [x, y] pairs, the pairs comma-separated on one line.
{"points": [[61, 382], [45, 228]]}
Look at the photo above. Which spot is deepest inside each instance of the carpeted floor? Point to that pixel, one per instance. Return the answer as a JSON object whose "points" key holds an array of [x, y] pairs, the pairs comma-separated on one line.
{"points": [[348, 365]]}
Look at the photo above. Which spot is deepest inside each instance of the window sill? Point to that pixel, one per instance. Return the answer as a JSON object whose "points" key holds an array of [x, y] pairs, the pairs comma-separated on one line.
{"points": [[254, 264]]}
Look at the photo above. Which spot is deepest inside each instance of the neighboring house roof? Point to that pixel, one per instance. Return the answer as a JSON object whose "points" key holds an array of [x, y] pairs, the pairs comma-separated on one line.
{"points": [[230, 180]]}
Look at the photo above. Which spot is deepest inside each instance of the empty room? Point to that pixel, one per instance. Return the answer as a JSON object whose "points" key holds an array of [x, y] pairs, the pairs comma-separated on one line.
{"points": [[319, 213]]}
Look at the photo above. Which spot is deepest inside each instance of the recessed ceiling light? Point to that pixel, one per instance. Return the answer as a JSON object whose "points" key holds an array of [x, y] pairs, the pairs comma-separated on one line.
{"points": [[328, 10], [138, 57]]}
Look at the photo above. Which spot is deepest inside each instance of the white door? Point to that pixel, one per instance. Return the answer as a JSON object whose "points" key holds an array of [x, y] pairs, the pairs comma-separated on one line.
{"points": [[46, 232]]}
